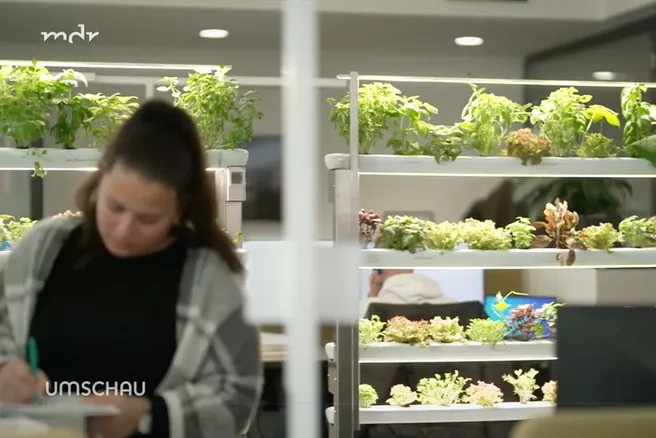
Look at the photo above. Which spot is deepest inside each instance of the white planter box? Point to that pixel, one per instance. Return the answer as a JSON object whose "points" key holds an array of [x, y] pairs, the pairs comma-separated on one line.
{"points": [[384, 414], [388, 352], [53, 159], [495, 166], [511, 259], [87, 158], [218, 158]]}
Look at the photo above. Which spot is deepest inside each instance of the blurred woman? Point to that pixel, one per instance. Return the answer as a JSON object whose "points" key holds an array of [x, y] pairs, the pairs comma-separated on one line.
{"points": [[143, 288]]}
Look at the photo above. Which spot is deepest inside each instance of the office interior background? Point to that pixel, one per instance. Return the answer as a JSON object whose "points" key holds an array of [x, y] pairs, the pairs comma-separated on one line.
{"points": [[530, 39], [536, 39]]}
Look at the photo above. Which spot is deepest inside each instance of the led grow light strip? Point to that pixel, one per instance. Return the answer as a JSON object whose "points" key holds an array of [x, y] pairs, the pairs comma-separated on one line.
{"points": [[78, 169], [491, 81], [113, 65]]}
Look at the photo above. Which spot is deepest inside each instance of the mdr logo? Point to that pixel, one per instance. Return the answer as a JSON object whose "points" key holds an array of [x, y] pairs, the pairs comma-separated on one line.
{"points": [[80, 35]]}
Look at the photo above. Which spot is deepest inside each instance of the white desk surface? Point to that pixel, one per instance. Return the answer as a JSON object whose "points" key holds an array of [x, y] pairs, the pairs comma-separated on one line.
{"points": [[274, 348]]}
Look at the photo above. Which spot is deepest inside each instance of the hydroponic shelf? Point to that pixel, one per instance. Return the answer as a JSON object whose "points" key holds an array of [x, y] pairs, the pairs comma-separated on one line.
{"points": [[495, 166], [513, 411], [510, 259], [87, 158], [389, 352]]}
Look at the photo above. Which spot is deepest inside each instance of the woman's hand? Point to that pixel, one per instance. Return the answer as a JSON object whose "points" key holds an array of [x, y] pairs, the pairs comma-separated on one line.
{"points": [[125, 423], [18, 384]]}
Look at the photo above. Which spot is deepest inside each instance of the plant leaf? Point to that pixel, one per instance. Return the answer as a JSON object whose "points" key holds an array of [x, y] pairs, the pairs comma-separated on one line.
{"points": [[646, 148], [540, 242]]}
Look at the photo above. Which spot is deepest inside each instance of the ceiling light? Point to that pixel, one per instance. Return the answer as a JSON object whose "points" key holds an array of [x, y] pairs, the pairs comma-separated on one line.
{"points": [[604, 75], [213, 33], [469, 41]]}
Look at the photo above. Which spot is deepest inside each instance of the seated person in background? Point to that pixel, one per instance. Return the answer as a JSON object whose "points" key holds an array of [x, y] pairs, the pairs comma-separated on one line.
{"points": [[402, 286]]}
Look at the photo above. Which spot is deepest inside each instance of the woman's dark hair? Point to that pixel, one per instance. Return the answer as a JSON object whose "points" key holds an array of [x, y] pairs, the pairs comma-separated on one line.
{"points": [[162, 143]]}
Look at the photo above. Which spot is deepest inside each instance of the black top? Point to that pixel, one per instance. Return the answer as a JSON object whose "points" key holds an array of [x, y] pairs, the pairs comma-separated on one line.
{"points": [[110, 320]]}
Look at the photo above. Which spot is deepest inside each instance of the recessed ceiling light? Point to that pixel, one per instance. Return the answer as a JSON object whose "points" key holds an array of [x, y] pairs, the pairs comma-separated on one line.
{"points": [[469, 41], [213, 33], [604, 75]]}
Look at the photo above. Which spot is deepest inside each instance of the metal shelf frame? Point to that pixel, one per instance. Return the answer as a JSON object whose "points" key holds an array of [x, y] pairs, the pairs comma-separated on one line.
{"points": [[344, 370]]}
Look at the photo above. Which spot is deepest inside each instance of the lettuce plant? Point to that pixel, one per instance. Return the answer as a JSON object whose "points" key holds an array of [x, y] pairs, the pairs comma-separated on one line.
{"points": [[602, 236], [638, 233], [446, 330], [403, 331], [368, 395], [522, 232], [370, 330], [441, 391], [483, 394], [401, 396], [12, 229], [523, 384], [596, 146], [486, 331], [564, 118], [443, 236], [549, 391], [526, 146], [484, 235], [404, 233]]}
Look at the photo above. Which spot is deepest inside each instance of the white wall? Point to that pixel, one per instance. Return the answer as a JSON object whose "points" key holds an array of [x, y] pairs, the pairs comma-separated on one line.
{"points": [[448, 200]]}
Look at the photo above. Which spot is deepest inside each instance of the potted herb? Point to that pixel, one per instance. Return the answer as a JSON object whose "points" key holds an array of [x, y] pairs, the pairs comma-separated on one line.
{"points": [[27, 96], [223, 113], [382, 109], [564, 118], [90, 115], [378, 105], [639, 117], [487, 118]]}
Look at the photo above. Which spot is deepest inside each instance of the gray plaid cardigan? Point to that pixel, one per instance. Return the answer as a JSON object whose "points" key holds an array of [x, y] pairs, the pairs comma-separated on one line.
{"points": [[213, 385]]}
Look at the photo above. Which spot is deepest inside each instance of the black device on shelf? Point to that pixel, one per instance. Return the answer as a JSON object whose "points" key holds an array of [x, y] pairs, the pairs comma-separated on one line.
{"points": [[263, 179], [606, 357]]}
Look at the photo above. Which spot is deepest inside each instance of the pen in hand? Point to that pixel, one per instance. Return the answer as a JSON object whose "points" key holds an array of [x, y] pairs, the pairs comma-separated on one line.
{"points": [[33, 360]]}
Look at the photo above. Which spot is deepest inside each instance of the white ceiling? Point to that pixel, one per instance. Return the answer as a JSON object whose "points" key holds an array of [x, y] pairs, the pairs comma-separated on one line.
{"points": [[578, 10], [260, 30]]}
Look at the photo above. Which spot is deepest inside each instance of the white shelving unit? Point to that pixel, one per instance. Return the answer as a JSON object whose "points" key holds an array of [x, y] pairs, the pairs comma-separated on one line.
{"points": [[452, 414], [493, 166], [228, 166], [510, 259], [345, 354], [388, 352]]}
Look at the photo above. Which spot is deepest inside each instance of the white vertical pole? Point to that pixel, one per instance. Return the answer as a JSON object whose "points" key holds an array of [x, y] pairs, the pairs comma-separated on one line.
{"points": [[150, 91], [301, 158]]}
